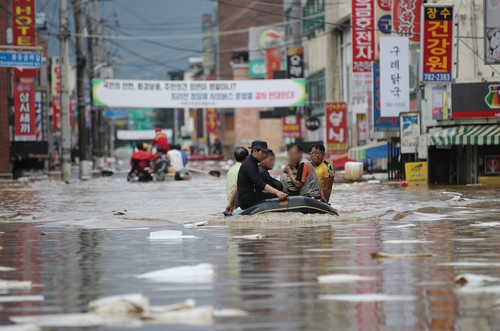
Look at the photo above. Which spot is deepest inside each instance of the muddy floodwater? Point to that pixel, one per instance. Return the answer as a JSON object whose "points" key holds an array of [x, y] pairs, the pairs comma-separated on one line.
{"points": [[65, 239]]}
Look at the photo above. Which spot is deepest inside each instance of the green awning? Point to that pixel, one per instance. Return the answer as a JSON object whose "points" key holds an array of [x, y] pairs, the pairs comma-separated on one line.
{"points": [[465, 135]]}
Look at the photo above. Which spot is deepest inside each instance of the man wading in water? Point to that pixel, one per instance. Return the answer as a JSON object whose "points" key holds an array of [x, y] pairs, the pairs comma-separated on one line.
{"points": [[251, 187]]}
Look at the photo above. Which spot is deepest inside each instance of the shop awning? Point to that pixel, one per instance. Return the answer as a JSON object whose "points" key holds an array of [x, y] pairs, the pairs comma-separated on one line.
{"points": [[367, 152], [466, 135]]}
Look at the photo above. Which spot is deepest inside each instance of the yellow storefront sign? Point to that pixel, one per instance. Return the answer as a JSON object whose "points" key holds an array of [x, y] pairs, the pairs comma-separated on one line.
{"points": [[416, 173]]}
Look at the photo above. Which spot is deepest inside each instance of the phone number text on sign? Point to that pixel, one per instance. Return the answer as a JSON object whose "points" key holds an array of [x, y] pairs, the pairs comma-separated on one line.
{"points": [[437, 43]]}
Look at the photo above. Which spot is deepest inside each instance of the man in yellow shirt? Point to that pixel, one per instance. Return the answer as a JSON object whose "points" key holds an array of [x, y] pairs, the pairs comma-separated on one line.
{"points": [[240, 155], [323, 169]]}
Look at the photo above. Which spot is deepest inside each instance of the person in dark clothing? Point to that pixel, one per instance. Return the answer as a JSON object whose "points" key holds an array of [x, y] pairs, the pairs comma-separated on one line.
{"points": [[265, 166], [251, 188]]}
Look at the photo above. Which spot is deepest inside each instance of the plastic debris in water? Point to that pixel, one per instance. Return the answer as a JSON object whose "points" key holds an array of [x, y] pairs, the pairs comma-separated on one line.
{"points": [[23, 327], [473, 280], [7, 269], [377, 255], [486, 224], [251, 236], [452, 193], [168, 234], [128, 304], [342, 278], [407, 242], [201, 273], [402, 226], [121, 212], [229, 312], [368, 297], [195, 225], [21, 298], [14, 284]]}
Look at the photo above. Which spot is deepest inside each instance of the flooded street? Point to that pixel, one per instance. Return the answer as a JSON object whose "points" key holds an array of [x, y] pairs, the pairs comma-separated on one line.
{"points": [[65, 239]]}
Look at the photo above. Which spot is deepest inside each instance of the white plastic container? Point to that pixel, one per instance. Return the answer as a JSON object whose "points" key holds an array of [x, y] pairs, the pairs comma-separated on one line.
{"points": [[353, 171]]}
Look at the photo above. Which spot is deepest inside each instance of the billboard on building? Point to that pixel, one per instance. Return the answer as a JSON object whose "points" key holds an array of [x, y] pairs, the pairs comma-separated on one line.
{"points": [[381, 123], [212, 120], [291, 126], [336, 127], [492, 31], [24, 112], [409, 132], [295, 62], [24, 30], [437, 43], [407, 19], [259, 39], [394, 76], [363, 35], [273, 61], [475, 100], [198, 94]]}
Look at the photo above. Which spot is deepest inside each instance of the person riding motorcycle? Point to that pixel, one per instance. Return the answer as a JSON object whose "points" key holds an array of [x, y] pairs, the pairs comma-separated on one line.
{"points": [[139, 162], [161, 164]]}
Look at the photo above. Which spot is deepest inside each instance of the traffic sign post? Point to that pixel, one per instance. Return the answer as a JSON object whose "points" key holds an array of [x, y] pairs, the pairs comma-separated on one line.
{"points": [[20, 60]]}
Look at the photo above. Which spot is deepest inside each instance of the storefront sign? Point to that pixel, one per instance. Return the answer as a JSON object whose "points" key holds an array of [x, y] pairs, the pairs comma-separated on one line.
{"points": [[492, 164], [394, 76], [212, 120], [409, 132], [362, 129], [24, 112], [383, 21], [208, 94], [437, 43], [336, 127], [273, 61], [416, 173], [56, 113], [406, 22], [42, 114], [295, 62], [55, 77], [475, 100], [313, 123], [24, 30], [291, 127], [260, 39], [492, 31], [363, 35], [439, 103], [380, 123]]}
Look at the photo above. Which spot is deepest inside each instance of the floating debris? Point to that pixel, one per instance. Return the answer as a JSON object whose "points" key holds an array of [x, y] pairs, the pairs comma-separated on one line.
{"points": [[342, 278], [22, 327], [367, 297], [203, 315], [407, 242], [452, 193], [128, 304], [251, 236], [189, 303], [201, 273], [229, 312], [479, 289], [457, 198], [195, 225], [72, 320], [377, 255], [470, 264], [7, 269], [402, 226], [168, 234], [121, 212], [473, 280], [14, 284], [43, 233], [21, 298], [486, 224]]}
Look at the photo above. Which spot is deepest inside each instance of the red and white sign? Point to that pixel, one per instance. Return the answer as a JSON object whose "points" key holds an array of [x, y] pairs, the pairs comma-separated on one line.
{"points": [[212, 120], [383, 21], [291, 127], [363, 35], [273, 61], [406, 16], [24, 30], [56, 112], [362, 129], [24, 110], [336, 127], [55, 77]]}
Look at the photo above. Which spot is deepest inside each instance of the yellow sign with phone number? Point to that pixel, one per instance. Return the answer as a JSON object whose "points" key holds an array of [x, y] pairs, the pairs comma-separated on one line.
{"points": [[416, 173]]}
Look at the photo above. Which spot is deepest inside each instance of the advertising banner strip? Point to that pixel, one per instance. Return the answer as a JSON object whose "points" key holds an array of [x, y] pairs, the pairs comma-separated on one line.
{"points": [[273, 61], [406, 19], [380, 123], [199, 94], [24, 112], [336, 127], [42, 113], [437, 43], [291, 126], [212, 120], [363, 35], [492, 31], [394, 76], [475, 100], [24, 30]]}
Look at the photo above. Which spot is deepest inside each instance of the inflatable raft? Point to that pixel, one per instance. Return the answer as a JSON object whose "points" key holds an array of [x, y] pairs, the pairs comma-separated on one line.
{"points": [[297, 204]]}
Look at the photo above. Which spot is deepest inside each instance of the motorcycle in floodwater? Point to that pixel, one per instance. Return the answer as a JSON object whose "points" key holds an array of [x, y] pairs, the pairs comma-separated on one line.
{"points": [[161, 167]]}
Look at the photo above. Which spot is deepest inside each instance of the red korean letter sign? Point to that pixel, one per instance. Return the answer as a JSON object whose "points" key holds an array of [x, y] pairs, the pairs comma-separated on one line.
{"points": [[24, 110], [336, 127], [24, 30], [273, 62], [363, 35], [212, 120], [406, 18]]}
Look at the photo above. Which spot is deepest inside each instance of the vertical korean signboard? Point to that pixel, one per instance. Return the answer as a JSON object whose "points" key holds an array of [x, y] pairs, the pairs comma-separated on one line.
{"points": [[394, 76], [273, 61], [362, 126], [42, 114], [24, 112], [383, 21], [24, 30], [437, 43], [380, 123], [291, 126], [295, 62], [406, 19], [336, 127], [363, 39], [212, 120]]}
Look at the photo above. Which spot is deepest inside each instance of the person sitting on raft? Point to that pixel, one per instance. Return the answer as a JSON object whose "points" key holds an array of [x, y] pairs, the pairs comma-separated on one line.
{"points": [[140, 160], [264, 167]]}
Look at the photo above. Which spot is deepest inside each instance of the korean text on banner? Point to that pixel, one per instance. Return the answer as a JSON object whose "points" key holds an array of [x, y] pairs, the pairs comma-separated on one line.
{"points": [[199, 94], [24, 110], [273, 61], [409, 132], [362, 126], [363, 35], [291, 126], [416, 173], [394, 76], [336, 127], [380, 123], [24, 30], [492, 31], [212, 120], [406, 19], [437, 43]]}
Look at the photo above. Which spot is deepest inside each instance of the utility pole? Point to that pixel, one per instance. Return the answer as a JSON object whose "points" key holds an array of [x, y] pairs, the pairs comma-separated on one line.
{"points": [[64, 62], [99, 47], [90, 68], [80, 87]]}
